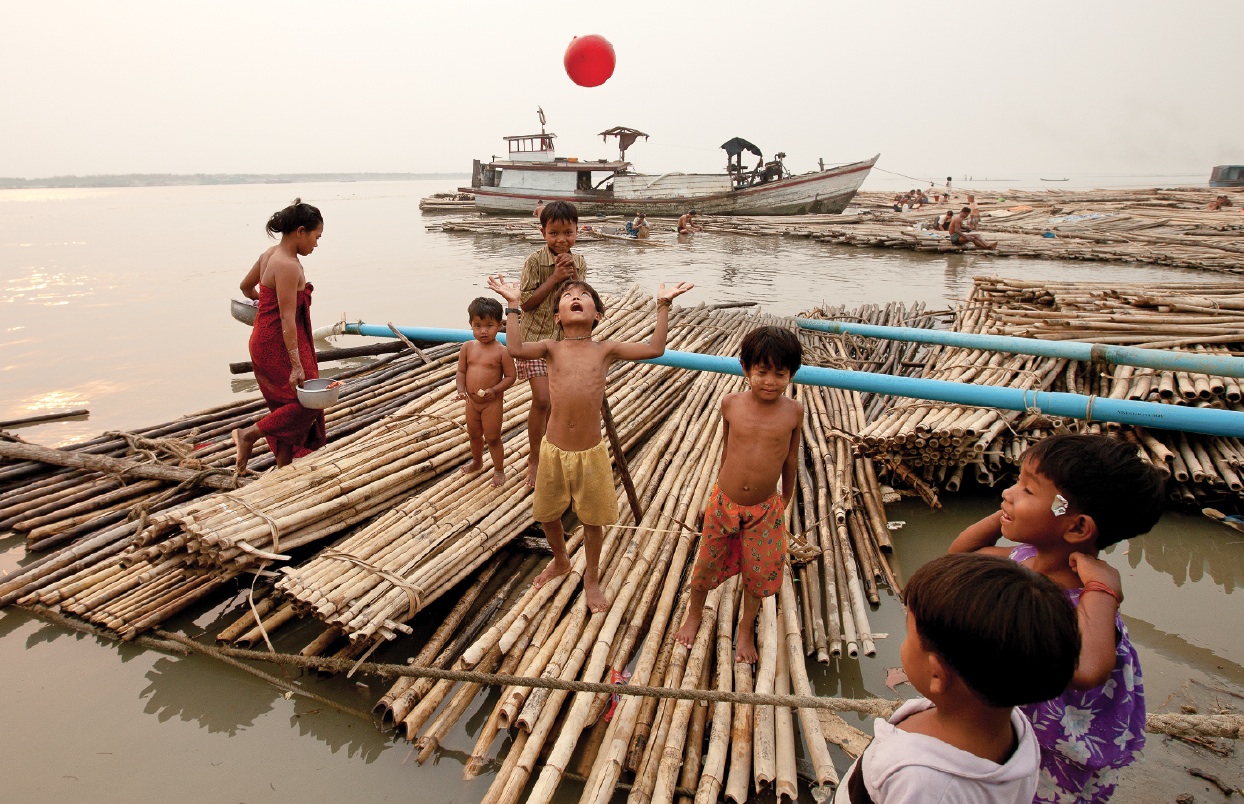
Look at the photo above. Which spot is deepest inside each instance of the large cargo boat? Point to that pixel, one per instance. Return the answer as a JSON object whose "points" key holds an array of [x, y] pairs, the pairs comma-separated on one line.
{"points": [[532, 172]]}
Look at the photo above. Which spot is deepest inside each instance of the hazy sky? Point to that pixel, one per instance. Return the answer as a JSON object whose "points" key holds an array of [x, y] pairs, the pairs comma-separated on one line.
{"points": [[938, 88]]}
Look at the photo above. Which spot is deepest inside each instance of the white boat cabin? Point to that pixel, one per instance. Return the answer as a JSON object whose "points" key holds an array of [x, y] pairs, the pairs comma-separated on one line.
{"points": [[532, 166]]}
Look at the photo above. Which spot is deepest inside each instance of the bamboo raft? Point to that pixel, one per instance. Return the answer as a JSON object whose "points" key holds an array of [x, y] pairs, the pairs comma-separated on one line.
{"points": [[369, 532], [943, 444], [1156, 226]]}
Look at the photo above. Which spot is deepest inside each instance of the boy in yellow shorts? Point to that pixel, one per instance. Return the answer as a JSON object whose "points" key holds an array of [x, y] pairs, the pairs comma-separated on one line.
{"points": [[574, 467]]}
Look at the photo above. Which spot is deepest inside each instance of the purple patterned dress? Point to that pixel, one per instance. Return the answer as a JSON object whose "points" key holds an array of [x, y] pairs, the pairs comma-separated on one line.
{"points": [[1086, 736]]}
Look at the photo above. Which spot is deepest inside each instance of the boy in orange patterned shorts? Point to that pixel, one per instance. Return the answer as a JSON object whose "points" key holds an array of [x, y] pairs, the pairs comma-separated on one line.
{"points": [[743, 529]]}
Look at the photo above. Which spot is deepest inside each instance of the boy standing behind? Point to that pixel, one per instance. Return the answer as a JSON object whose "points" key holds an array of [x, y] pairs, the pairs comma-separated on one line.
{"points": [[485, 371], [574, 466], [743, 528], [543, 273]]}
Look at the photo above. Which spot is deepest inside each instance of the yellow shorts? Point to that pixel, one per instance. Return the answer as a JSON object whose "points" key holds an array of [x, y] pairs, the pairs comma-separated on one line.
{"points": [[583, 478]]}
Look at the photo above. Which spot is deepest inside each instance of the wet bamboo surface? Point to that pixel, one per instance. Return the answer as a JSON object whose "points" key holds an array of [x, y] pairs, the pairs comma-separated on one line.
{"points": [[1156, 226]]}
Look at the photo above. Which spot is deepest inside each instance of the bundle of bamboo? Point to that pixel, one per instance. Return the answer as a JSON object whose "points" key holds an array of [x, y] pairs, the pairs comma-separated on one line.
{"points": [[947, 441]]}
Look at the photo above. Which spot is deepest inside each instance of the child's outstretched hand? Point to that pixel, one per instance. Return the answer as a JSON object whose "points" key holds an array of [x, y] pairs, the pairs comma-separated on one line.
{"points": [[668, 294], [1094, 569], [511, 293]]}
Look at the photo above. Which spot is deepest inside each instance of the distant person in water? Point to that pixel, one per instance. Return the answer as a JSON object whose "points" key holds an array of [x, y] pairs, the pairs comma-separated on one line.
{"points": [[639, 226], [535, 213], [687, 224], [281, 345], [959, 235], [1220, 202]]}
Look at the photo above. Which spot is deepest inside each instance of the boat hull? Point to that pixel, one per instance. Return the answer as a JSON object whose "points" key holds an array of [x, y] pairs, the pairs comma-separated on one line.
{"points": [[824, 192]]}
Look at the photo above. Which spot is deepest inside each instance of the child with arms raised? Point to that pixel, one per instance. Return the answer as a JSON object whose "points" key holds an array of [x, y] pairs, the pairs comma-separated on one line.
{"points": [[543, 273], [1077, 494], [574, 466], [743, 528], [485, 371], [984, 635]]}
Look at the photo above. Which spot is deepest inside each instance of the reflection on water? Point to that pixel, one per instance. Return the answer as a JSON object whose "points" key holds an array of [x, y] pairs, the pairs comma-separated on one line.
{"points": [[47, 289], [175, 690], [1192, 550]]}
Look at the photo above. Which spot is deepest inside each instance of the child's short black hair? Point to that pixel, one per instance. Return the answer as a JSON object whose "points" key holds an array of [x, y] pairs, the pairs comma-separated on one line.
{"points": [[484, 307], [559, 211], [1105, 479], [579, 283], [1010, 633], [774, 347]]}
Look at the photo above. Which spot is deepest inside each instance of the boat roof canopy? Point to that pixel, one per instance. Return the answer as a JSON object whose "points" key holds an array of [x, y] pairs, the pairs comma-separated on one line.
{"points": [[738, 145]]}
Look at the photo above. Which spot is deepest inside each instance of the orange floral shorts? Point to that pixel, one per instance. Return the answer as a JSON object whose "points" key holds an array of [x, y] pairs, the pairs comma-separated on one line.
{"points": [[748, 540]]}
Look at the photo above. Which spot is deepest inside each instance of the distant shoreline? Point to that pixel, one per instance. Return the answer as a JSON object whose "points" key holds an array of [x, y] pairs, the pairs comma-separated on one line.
{"points": [[193, 179]]}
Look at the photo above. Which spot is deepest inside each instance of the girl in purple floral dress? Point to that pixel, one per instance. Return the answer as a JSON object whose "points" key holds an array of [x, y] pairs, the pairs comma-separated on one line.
{"points": [[1077, 494]]}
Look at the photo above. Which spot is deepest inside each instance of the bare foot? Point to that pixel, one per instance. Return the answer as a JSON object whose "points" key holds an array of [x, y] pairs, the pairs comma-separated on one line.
{"points": [[596, 600], [992, 245], [690, 627], [554, 569], [243, 448], [745, 650], [472, 467], [532, 466], [498, 478]]}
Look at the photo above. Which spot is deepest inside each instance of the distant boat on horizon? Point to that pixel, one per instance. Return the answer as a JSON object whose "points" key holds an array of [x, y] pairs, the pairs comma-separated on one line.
{"points": [[1056, 180]]}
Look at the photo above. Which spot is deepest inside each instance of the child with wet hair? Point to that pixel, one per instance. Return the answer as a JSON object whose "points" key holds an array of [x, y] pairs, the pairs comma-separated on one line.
{"points": [[485, 371], [744, 533], [1076, 495], [984, 636]]}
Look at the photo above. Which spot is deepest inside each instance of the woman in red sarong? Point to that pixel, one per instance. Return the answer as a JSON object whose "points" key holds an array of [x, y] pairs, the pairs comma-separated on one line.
{"points": [[281, 345]]}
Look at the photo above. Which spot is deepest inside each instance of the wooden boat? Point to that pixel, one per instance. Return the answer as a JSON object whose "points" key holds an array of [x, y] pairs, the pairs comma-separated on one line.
{"points": [[1227, 176], [533, 172]]}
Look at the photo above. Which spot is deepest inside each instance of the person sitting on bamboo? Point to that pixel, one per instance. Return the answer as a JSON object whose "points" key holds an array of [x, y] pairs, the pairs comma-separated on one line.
{"points": [[743, 528], [959, 234], [574, 467], [984, 637], [485, 371]]}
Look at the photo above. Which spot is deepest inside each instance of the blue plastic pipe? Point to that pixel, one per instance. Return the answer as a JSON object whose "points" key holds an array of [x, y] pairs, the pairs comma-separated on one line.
{"points": [[1209, 421], [1220, 365]]}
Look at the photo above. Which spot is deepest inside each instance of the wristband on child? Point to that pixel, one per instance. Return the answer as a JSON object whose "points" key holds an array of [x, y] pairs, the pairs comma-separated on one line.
{"points": [[1098, 586], [514, 310]]}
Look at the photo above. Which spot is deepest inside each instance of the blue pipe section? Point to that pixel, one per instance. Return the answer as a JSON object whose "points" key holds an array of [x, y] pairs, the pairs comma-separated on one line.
{"points": [[1209, 421], [1220, 365]]}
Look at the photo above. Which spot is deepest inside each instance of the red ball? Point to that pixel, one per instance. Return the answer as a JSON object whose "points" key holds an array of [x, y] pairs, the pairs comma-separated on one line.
{"points": [[589, 60]]}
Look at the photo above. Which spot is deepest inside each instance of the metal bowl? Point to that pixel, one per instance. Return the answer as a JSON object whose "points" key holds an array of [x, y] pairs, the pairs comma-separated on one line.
{"points": [[244, 311], [316, 395]]}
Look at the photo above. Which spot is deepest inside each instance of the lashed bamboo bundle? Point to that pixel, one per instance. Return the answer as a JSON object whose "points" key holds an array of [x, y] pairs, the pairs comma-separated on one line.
{"points": [[948, 442]]}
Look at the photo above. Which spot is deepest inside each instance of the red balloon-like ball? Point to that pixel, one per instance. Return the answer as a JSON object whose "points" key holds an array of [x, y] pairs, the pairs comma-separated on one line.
{"points": [[589, 60]]}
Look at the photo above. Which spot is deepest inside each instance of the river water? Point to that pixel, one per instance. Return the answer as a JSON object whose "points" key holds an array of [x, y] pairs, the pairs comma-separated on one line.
{"points": [[116, 300]]}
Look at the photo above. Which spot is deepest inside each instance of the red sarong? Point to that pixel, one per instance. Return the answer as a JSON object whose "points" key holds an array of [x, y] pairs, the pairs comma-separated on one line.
{"points": [[289, 422]]}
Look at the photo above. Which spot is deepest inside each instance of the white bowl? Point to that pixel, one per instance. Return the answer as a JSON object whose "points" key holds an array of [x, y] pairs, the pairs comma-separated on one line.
{"points": [[316, 395], [244, 311]]}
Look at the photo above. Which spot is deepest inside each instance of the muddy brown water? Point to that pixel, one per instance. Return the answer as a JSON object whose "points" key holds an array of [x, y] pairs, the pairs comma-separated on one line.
{"points": [[116, 301]]}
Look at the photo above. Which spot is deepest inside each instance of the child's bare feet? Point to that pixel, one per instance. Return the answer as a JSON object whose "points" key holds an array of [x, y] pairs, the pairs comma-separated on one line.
{"points": [[596, 600], [472, 467], [745, 649], [243, 447], [555, 568], [690, 627], [532, 466], [498, 478]]}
